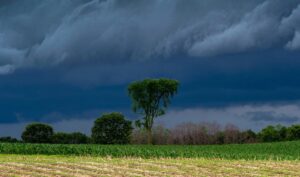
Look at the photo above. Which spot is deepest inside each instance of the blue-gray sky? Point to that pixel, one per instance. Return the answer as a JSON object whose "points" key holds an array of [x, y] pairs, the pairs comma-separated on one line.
{"points": [[66, 62]]}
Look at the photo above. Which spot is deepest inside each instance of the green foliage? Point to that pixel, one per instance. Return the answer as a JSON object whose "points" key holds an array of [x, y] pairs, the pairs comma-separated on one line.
{"points": [[293, 132], [37, 133], [263, 151], [248, 137], [60, 138], [8, 139], [151, 98], [112, 129], [220, 138], [78, 138], [70, 138], [273, 133], [282, 130]]}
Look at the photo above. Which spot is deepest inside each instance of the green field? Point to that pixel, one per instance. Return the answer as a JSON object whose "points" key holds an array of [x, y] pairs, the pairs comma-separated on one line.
{"points": [[266, 159], [264, 151]]}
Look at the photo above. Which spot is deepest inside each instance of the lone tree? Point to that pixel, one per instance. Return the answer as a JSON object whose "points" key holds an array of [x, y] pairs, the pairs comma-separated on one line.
{"points": [[111, 128], [37, 133], [151, 98]]}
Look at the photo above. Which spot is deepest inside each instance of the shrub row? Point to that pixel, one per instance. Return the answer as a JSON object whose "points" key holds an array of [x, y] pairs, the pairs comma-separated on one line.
{"points": [[213, 133]]}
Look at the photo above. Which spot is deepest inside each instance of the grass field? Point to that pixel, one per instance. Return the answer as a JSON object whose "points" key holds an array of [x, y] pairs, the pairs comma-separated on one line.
{"points": [[268, 159]]}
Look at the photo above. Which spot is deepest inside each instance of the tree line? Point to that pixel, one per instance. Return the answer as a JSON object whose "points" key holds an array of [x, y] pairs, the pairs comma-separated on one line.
{"points": [[150, 99], [113, 128]]}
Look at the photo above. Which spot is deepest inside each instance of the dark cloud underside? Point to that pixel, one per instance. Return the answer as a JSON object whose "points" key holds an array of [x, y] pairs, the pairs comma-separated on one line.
{"points": [[48, 33], [63, 59]]}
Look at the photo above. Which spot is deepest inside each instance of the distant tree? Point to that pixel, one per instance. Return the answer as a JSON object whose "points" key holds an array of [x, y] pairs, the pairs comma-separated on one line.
{"points": [[37, 133], [248, 137], [189, 133], [8, 139], [138, 136], [151, 98], [111, 129], [61, 138], [78, 138], [293, 132], [70, 138], [269, 134], [282, 131], [160, 135], [231, 134], [219, 138]]}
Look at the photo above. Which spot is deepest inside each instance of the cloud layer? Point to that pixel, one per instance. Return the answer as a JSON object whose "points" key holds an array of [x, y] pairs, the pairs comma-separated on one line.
{"points": [[245, 117], [107, 32]]}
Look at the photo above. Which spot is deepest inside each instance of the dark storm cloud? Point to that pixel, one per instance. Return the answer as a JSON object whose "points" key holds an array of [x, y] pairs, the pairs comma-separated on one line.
{"points": [[271, 117], [261, 78], [67, 61], [106, 32]]}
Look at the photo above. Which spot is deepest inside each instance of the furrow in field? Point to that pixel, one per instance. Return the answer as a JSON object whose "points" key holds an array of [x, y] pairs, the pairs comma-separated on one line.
{"points": [[242, 167], [194, 169], [154, 166], [63, 172], [269, 168], [155, 170], [7, 172], [12, 170], [259, 168], [36, 170], [107, 170], [70, 167], [117, 170]]}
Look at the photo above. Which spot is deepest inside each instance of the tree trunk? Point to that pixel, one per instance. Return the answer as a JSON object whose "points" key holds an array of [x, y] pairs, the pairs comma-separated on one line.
{"points": [[149, 132]]}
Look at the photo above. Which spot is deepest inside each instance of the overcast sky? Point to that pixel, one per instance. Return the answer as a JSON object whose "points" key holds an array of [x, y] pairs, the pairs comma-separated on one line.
{"points": [[65, 62]]}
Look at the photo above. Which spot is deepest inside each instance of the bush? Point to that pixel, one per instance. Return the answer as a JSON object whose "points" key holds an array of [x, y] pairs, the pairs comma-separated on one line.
{"points": [[293, 132], [248, 137], [269, 134], [232, 134], [219, 138], [139, 136], [112, 129], [78, 138], [70, 138], [61, 138], [189, 134], [37, 133], [8, 139], [160, 136], [282, 132]]}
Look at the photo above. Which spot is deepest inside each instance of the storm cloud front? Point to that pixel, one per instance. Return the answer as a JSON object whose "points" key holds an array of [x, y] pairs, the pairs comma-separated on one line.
{"points": [[46, 33], [72, 60]]}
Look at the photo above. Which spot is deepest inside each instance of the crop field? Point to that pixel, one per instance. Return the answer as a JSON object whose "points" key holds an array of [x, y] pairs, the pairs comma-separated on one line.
{"points": [[263, 151], [267, 159]]}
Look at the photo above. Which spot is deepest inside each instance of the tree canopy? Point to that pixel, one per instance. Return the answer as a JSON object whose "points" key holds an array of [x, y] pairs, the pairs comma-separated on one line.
{"points": [[37, 133], [151, 98], [112, 129]]}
